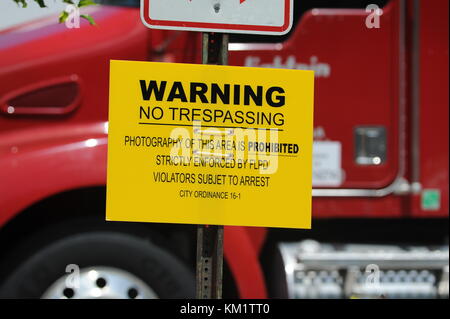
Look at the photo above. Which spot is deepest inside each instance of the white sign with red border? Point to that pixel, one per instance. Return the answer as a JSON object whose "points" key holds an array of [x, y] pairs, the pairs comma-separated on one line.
{"points": [[269, 17]]}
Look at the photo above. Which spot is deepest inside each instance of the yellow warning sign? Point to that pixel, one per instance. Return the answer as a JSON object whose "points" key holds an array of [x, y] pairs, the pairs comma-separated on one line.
{"points": [[216, 145]]}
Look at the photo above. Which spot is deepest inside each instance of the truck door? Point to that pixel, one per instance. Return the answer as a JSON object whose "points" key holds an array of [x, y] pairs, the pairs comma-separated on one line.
{"points": [[358, 58]]}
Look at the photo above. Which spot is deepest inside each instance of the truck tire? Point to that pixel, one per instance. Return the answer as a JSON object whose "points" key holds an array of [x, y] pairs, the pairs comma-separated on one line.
{"points": [[164, 274]]}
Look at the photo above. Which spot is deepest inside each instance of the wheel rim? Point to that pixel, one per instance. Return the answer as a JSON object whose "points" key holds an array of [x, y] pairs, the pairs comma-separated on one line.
{"points": [[99, 283]]}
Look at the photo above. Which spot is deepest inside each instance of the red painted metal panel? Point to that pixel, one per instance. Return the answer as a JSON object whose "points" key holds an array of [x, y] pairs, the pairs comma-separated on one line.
{"points": [[243, 260], [357, 84], [434, 105], [356, 80], [37, 163]]}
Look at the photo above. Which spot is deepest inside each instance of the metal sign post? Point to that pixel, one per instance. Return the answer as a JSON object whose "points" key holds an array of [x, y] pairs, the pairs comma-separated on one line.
{"points": [[209, 262], [210, 238]]}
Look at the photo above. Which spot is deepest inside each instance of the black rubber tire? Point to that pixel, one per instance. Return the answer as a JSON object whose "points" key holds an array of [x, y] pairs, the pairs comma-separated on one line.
{"points": [[164, 273]]}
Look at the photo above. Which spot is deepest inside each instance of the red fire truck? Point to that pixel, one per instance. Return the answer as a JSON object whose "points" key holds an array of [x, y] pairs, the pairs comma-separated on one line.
{"points": [[381, 175]]}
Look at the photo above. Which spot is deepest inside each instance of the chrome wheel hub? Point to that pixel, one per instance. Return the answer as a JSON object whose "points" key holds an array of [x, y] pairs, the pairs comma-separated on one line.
{"points": [[99, 283]]}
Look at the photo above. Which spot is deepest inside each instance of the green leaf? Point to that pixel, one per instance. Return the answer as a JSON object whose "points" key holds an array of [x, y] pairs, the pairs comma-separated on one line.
{"points": [[41, 3], [85, 3], [21, 2], [63, 16], [89, 18]]}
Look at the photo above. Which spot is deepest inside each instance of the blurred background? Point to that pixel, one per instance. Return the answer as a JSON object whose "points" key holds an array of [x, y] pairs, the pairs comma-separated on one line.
{"points": [[380, 169]]}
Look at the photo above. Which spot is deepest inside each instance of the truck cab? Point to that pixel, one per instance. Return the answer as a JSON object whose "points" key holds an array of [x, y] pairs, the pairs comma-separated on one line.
{"points": [[380, 171]]}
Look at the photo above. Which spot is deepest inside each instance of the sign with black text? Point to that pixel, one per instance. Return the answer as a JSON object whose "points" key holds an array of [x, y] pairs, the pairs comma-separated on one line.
{"points": [[215, 145]]}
